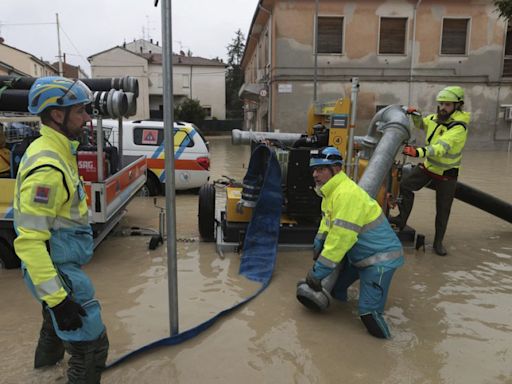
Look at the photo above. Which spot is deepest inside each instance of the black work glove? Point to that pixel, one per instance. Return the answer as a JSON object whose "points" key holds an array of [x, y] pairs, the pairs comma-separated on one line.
{"points": [[67, 313], [314, 283]]}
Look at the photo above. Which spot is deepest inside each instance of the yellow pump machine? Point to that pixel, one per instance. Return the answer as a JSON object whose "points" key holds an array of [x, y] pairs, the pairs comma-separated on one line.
{"points": [[328, 124]]}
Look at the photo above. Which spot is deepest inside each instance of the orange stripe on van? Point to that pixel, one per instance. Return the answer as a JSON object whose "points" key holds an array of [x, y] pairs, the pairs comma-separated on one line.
{"points": [[190, 165]]}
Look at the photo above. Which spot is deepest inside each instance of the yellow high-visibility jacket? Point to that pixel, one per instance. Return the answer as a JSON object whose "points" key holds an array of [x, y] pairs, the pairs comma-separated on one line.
{"points": [[444, 141], [353, 224], [50, 207]]}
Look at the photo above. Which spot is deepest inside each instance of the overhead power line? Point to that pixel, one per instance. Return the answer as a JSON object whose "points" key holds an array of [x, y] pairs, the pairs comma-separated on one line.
{"points": [[74, 46], [21, 24]]}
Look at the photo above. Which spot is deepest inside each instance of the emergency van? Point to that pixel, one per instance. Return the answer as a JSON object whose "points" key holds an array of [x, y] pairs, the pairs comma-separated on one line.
{"points": [[146, 138]]}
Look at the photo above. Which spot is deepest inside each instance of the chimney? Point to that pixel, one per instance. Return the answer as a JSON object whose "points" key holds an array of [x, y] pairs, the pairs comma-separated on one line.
{"points": [[141, 49], [157, 43], [182, 53], [151, 41], [64, 58]]}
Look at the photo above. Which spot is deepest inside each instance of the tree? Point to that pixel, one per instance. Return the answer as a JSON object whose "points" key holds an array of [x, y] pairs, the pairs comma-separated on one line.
{"points": [[504, 7], [235, 76], [189, 110]]}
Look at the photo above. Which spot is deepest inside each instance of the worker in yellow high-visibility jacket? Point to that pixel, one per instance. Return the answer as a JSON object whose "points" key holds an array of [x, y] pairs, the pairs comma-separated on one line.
{"points": [[54, 236], [354, 235], [446, 134]]}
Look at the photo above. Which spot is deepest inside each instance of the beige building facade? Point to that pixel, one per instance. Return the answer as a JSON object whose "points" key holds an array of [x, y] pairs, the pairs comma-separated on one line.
{"points": [[193, 77], [402, 51], [14, 61]]}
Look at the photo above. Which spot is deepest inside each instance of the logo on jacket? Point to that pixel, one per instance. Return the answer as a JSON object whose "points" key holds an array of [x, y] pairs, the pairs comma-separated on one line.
{"points": [[42, 195]]}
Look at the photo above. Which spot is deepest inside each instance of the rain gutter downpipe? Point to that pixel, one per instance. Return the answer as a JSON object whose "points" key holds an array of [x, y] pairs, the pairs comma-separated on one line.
{"points": [[353, 111], [315, 44], [413, 50], [269, 80]]}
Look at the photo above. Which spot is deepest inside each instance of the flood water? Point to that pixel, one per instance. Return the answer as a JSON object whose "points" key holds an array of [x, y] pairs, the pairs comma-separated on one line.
{"points": [[450, 316]]}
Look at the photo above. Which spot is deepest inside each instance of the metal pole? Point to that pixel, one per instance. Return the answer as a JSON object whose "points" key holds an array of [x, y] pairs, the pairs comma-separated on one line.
{"points": [[170, 192], [353, 111], [190, 81], [120, 140], [315, 43], [58, 42], [99, 149], [510, 137]]}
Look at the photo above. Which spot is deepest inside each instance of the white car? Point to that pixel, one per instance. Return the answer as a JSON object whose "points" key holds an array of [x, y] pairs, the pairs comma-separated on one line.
{"points": [[146, 137]]}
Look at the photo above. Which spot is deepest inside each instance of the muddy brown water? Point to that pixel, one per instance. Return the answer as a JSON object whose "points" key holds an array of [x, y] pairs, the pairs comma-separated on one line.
{"points": [[450, 317]]}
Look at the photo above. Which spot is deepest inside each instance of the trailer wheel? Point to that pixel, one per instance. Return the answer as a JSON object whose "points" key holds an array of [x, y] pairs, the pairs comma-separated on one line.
{"points": [[206, 212], [8, 258], [152, 186]]}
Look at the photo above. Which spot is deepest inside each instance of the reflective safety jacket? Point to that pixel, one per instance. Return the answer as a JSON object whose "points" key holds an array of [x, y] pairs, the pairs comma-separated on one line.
{"points": [[353, 224], [444, 141], [50, 208]]}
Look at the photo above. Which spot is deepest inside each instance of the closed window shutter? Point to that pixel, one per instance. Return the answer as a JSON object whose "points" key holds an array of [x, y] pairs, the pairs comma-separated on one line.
{"points": [[454, 36], [392, 35], [330, 35]]}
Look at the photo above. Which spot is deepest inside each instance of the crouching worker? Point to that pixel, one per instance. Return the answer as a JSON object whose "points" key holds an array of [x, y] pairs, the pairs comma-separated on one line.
{"points": [[355, 240], [54, 236]]}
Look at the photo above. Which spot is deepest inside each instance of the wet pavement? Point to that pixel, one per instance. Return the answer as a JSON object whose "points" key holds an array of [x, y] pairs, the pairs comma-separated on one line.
{"points": [[449, 316]]}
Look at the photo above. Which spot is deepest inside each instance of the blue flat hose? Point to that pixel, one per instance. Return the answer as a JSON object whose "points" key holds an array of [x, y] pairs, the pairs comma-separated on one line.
{"points": [[260, 244]]}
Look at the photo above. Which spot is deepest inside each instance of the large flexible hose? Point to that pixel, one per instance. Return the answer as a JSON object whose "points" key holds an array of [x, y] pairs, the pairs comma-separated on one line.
{"points": [[483, 201], [260, 244]]}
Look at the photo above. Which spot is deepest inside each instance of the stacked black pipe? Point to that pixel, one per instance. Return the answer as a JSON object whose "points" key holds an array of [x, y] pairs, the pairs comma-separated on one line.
{"points": [[113, 97]]}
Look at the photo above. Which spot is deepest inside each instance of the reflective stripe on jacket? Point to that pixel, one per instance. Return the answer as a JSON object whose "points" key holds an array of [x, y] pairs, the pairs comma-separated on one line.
{"points": [[50, 206], [444, 141], [355, 227]]}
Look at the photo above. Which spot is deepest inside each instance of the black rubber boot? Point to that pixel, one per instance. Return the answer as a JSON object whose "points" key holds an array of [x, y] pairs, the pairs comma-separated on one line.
{"points": [[440, 249], [87, 360], [445, 192], [50, 349], [376, 325], [397, 221], [412, 181]]}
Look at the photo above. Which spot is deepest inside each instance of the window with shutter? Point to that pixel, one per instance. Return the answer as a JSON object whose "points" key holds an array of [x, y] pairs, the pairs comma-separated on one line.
{"points": [[454, 39], [507, 65], [392, 35], [330, 35]]}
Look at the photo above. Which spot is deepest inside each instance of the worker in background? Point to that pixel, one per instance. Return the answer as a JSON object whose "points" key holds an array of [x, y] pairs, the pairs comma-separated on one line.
{"points": [[355, 233], [54, 236], [5, 156], [446, 134]]}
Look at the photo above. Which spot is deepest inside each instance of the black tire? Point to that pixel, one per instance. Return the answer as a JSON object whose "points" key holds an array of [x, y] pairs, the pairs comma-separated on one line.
{"points": [[152, 185], [206, 212], [8, 258]]}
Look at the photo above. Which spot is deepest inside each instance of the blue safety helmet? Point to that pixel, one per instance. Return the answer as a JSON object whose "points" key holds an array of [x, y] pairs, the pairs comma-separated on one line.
{"points": [[56, 91], [326, 156]]}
